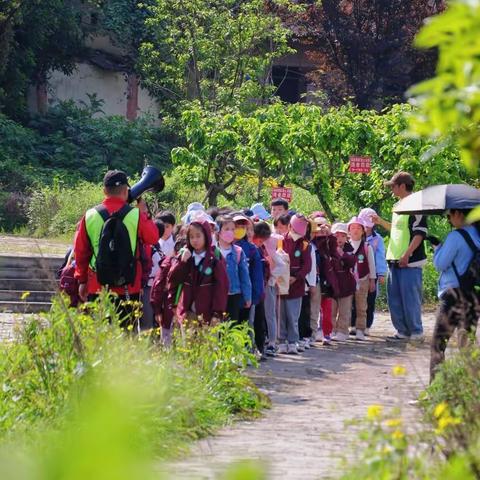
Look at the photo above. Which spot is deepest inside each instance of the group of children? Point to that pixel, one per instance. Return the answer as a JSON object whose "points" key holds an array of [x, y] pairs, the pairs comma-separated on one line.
{"points": [[296, 280]]}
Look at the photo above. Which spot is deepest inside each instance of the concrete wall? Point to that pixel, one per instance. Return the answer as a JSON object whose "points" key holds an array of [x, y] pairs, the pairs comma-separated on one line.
{"points": [[112, 87]]}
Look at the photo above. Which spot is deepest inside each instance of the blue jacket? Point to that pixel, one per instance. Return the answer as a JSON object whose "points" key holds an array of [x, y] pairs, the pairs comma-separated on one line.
{"points": [[378, 245], [454, 249], [255, 268], [238, 275]]}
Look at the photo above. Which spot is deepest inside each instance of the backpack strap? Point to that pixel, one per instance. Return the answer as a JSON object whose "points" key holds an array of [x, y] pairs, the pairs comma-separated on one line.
{"points": [[102, 210], [468, 239], [466, 236], [239, 253], [123, 212]]}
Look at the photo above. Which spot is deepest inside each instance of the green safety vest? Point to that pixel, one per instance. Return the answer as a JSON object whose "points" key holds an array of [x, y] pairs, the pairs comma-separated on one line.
{"points": [[94, 224], [399, 237]]}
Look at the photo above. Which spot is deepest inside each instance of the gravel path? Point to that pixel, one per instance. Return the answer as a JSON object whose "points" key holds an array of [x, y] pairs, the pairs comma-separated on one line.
{"points": [[304, 435]]}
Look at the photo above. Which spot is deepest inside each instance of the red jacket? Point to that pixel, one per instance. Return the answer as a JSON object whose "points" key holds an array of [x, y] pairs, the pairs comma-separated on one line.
{"points": [[344, 271], [205, 285], [300, 264], [147, 233]]}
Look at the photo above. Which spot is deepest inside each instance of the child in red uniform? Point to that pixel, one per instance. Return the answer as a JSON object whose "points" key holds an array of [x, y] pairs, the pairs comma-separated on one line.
{"points": [[298, 249], [201, 274]]}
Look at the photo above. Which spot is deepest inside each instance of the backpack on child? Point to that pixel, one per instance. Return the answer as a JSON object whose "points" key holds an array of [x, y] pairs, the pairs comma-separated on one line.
{"points": [[470, 280]]}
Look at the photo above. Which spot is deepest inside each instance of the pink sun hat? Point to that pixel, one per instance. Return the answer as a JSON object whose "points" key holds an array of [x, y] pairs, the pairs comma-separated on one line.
{"points": [[356, 221], [299, 224], [366, 215]]}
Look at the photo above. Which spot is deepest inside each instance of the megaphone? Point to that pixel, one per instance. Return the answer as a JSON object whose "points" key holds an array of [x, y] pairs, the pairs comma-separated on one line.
{"points": [[151, 181]]}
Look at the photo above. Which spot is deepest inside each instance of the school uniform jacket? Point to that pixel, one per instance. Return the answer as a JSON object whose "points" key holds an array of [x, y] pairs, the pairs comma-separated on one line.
{"points": [[204, 287], [300, 264]]}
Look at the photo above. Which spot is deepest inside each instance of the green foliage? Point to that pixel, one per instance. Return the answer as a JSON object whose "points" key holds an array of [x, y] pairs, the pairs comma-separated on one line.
{"points": [[60, 361], [443, 447], [449, 104], [310, 147], [56, 210], [36, 37], [218, 53]]}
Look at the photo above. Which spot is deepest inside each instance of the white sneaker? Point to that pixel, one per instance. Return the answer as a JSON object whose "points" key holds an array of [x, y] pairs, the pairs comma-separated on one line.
{"points": [[367, 332], [319, 336], [307, 343], [292, 349], [300, 346], [352, 331], [417, 338], [283, 348], [359, 335], [340, 337]]}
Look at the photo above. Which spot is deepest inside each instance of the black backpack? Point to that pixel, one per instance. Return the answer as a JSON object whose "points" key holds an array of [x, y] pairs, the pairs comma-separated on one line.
{"points": [[115, 263], [470, 280]]}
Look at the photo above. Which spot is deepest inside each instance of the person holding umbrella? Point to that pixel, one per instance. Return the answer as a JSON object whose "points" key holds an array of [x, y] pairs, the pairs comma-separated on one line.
{"points": [[405, 257]]}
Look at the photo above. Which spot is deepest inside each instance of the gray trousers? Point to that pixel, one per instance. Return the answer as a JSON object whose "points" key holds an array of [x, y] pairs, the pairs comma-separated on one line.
{"points": [[289, 314], [270, 305]]}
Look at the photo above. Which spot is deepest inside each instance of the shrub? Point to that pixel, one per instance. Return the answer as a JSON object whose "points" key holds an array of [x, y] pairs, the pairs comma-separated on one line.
{"points": [[62, 357]]}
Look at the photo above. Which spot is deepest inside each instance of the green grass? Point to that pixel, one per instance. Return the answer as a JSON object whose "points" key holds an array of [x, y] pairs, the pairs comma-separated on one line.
{"points": [[81, 396]]}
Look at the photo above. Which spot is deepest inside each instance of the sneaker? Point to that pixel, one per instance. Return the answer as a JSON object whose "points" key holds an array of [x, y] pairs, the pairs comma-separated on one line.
{"points": [[353, 331], [319, 336], [340, 337], [300, 346], [307, 343], [417, 338], [292, 349], [398, 337], [283, 348], [327, 340], [359, 335], [366, 332], [263, 357], [271, 351]]}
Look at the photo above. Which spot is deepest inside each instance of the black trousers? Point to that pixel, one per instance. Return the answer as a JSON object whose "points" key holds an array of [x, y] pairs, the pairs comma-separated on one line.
{"points": [[127, 309], [234, 306], [304, 330], [457, 309]]}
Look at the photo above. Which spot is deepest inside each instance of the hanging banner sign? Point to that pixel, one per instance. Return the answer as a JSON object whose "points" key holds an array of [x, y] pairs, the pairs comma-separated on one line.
{"points": [[360, 164], [282, 192]]}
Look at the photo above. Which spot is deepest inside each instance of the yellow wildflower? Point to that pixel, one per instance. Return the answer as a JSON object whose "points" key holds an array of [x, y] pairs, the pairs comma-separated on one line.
{"points": [[445, 422], [374, 411], [24, 295], [440, 409], [397, 435], [399, 371], [393, 422]]}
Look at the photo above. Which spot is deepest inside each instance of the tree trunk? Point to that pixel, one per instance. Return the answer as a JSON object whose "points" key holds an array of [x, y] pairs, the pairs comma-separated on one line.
{"points": [[323, 202], [261, 173]]}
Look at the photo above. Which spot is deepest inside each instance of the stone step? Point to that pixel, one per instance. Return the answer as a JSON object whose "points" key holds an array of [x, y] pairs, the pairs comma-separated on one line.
{"points": [[28, 284], [14, 261], [24, 307], [27, 273], [34, 296]]}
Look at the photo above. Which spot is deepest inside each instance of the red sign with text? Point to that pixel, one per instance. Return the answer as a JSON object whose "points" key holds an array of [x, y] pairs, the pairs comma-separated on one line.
{"points": [[360, 164], [282, 192]]}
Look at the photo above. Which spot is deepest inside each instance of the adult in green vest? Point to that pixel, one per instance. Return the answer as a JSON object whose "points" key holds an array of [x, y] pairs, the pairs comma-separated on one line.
{"points": [[406, 258], [141, 230]]}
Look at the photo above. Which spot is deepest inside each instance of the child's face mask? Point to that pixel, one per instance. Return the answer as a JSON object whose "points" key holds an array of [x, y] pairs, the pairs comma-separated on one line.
{"points": [[227, 236], [240, 232]]}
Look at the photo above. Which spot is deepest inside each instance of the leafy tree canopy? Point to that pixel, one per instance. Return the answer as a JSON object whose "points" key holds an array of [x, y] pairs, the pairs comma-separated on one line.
{"points": [[218, 53]]}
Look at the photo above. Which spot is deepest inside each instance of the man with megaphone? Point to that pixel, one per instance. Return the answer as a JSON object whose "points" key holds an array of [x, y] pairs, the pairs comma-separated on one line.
{"points": [[107, 244]]}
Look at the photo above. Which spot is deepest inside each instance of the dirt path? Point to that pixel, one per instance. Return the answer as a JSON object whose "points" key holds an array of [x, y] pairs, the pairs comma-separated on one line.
{"points": [[313, 395], [13, 245]]}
